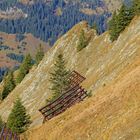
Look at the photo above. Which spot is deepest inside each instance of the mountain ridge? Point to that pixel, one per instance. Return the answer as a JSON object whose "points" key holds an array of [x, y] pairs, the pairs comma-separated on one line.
{"points": [[113, 111]]}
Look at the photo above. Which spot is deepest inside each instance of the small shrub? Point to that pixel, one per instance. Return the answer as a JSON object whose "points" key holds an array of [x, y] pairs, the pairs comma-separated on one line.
{"points": [[89, 93], [82, 42]]}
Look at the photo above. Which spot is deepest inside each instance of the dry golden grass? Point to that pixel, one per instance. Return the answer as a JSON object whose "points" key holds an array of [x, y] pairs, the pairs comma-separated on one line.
{"points": [[112, 114], [112, 74]]}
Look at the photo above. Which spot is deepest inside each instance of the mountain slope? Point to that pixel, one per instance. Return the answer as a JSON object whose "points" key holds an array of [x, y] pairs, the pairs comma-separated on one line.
{"points": [[112, 114], [109, 68]]}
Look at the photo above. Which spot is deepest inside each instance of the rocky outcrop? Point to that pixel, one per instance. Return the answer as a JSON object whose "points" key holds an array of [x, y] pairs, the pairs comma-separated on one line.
{"points": [[112, 74]]}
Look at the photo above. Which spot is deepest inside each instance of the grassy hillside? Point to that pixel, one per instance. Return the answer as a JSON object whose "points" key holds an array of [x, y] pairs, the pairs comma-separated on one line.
{"points": [[112, 74], [112, 114]]}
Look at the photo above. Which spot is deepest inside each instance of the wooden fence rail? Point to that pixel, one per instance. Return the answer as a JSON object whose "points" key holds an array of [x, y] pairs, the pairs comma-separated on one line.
{"points": [[74, 94], [63, 104], [59, 100], [7, 134]]}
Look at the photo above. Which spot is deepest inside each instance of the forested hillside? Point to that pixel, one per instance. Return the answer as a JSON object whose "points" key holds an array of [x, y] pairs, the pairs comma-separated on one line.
{"points": [[48, 20], [13, 48]]}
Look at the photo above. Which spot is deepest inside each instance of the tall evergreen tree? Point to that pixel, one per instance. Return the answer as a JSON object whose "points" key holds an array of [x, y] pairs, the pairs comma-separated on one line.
{"points": [[113, 27], [9, 85], [82, 41], [24, 68], [124, 18], [39, 55], [120, 21], [59, 77], [18, 120]]}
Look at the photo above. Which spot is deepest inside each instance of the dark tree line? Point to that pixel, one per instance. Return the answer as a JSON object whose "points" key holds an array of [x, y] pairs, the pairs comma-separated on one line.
{"points": [[16, 57], [43, 22]]}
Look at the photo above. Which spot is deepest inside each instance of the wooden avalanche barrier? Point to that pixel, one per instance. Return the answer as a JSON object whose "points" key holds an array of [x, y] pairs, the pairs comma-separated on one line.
{"points": [[74, 94], [7, 134]]}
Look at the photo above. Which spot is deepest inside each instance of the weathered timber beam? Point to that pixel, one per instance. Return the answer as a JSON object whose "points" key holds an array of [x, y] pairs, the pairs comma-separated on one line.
{"points": [[66, 101], [61, 100], [50, 104], [68, 105]]}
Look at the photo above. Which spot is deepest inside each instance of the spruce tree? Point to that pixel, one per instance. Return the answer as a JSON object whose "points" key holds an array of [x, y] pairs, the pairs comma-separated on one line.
{"points": [[113, 27], [120, 21], [59, 78], [82, 41], [9, 85], [39, 55], [18, 120], [124, 18], [136, 7], [24, 68]]}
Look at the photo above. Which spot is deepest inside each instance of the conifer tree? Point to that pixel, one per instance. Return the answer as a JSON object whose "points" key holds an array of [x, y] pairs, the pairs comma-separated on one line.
{"points": [[113, 27], [9, 85], [24, 68], [18, 120], [120, 21], [124, 18], [136, 7], [39, 55], [82, 41], [59, 78]]}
